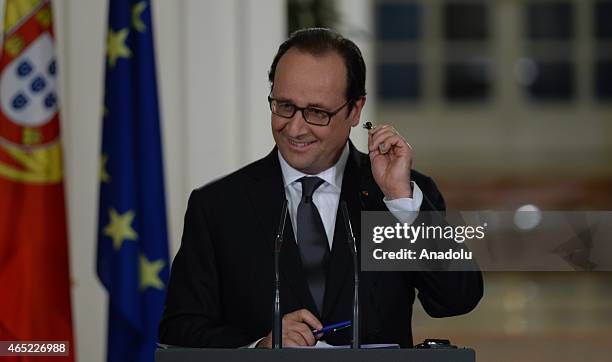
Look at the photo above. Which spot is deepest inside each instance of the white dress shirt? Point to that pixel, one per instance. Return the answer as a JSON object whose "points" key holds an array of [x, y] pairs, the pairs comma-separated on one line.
{"points": [[327, 196]]}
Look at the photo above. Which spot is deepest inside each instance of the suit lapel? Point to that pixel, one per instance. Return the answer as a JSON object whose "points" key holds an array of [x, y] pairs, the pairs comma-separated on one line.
{"points": [[266, 192], [338, 268], [339, 272]]}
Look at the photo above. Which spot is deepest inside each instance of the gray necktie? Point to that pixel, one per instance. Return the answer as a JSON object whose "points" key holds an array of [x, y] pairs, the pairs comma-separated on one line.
{"points": [[312, 240]]}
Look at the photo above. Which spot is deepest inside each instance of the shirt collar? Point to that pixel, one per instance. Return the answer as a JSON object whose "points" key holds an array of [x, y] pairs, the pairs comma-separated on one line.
{"points": [[332, 175]]}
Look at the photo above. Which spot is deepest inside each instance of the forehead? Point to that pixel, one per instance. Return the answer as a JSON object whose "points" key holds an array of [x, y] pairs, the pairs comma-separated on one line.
{"points": [[301, 76]]}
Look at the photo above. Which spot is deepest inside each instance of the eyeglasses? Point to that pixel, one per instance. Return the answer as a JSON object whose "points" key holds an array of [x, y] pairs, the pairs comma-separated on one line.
{"points": [[314, 116]]}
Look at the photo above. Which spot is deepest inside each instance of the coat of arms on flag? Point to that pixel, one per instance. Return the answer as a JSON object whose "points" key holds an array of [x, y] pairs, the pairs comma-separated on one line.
{"points": [[29, 118]]}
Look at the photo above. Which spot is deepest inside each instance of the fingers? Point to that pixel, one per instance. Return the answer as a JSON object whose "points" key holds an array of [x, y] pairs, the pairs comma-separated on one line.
{"points": [[385, 138], [305, 316], [300, 334], [298, 326]]}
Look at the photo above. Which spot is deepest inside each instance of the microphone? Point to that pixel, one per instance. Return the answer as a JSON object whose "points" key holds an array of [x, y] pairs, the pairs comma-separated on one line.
{"points": [[353, 247], [277, 325]]}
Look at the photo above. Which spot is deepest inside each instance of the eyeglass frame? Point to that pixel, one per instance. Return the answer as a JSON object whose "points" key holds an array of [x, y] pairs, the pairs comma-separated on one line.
{"points": [[302, 109]]}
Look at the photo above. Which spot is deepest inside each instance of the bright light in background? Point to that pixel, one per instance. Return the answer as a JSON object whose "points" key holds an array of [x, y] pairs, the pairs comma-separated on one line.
{"points": [[527, 217]]}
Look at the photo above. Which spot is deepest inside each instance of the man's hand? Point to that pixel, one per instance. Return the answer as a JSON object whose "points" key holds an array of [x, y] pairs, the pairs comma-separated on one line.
{"points": [[297, 330], [391, 158]]}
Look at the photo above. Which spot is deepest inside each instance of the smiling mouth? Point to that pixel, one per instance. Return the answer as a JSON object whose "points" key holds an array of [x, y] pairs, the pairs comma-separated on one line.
{"points": [[299, 144]]}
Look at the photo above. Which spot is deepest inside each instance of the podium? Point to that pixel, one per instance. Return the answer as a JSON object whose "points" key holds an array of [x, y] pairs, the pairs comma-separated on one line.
{"points": [[309, 355]]}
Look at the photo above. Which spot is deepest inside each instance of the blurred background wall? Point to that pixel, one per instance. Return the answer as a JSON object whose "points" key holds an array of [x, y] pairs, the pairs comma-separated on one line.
{"points": [[506, 103]]}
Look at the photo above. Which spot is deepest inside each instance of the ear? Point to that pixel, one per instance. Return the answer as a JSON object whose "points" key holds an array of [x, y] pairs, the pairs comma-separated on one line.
{"points": [[355, 114]]}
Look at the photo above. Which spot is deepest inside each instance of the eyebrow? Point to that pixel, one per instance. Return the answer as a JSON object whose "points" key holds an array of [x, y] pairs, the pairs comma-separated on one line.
{"points": [[309, 105]]}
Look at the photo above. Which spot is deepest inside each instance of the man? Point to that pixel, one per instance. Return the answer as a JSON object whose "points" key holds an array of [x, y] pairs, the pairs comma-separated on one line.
{"points": [[221, 286]]}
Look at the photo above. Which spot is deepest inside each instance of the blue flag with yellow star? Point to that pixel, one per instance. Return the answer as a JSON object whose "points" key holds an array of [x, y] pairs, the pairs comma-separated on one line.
{"points": [[132, 237]]}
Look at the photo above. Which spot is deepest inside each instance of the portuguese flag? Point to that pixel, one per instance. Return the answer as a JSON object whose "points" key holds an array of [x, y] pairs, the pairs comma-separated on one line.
{"points": [[34, 273]]}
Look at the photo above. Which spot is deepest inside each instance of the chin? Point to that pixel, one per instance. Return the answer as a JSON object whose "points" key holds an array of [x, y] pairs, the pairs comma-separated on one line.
{"points": [[298, 164]]}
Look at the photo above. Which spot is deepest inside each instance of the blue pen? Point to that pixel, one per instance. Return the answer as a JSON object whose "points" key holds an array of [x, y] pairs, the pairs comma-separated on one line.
{"points": [[332, 327]]}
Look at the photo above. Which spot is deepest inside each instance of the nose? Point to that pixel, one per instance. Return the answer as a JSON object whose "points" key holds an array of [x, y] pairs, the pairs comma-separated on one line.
{"points": [[297, 124]]}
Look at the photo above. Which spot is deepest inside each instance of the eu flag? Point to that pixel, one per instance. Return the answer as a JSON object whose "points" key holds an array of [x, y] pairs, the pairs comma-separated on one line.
{"points": [[132, 237]]}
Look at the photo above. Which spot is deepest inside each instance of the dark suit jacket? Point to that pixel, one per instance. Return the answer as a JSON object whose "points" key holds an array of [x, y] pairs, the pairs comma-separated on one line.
{"points": [[220, 292]]}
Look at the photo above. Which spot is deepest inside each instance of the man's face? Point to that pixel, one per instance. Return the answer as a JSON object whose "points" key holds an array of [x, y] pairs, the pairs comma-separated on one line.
{"points": [[312, 81]]}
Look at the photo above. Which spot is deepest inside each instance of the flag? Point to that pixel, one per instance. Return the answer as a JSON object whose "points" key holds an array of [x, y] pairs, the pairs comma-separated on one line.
{"points": [[132, 237], [34, 270]]}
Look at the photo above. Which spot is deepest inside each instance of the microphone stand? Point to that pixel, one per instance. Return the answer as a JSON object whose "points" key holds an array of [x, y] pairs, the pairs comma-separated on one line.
{"points": [[277, 325], [353, 248]]}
